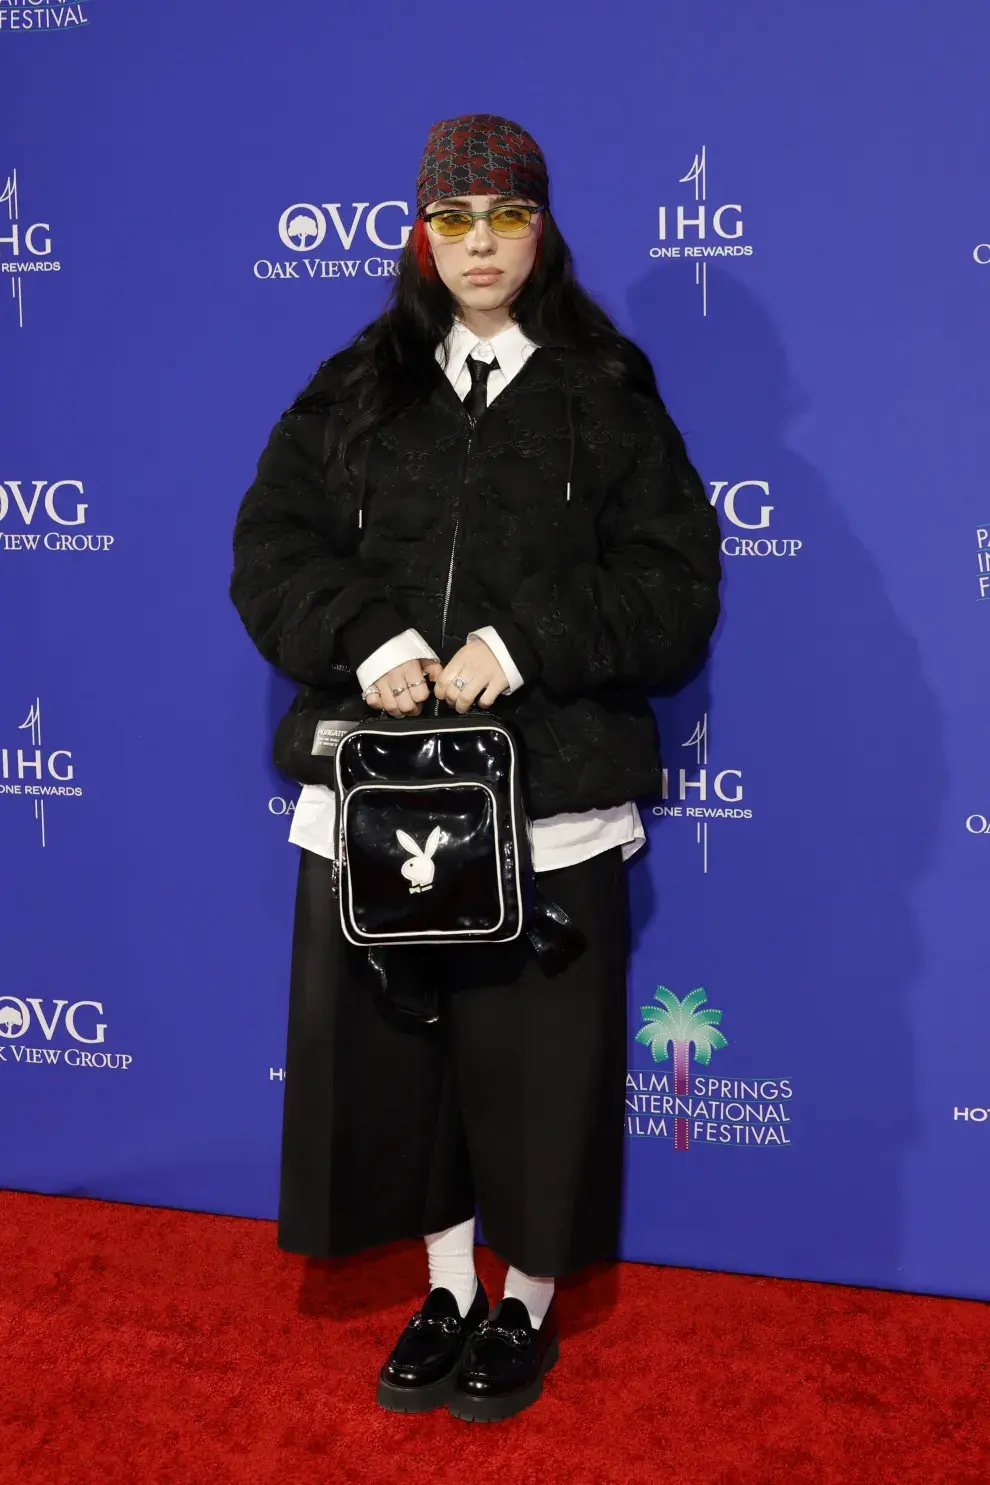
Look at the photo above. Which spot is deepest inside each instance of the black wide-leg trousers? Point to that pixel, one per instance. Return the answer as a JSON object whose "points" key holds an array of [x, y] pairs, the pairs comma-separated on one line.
{"points": [[511, 1102]]}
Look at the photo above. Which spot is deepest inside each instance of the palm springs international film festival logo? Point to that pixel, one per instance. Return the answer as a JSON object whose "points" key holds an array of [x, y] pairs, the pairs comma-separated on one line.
{"points": [[28, 1028], [983, 562], [42, 15], [338, 240], [700, 231], [27, 245], [699, 1110], [36, 772], [702, 794]]}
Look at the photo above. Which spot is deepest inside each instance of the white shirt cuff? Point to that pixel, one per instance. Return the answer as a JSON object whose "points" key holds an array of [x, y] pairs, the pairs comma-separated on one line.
{"points": [[489, 636], [409, 645]]}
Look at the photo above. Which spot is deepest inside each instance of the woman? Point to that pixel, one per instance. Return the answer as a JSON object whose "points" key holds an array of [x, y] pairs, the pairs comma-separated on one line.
{"points": [[484, 501]]}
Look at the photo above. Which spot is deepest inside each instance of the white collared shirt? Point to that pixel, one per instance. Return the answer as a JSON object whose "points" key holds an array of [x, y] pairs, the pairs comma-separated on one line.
{"points": [[558, 840], [511, 348]]}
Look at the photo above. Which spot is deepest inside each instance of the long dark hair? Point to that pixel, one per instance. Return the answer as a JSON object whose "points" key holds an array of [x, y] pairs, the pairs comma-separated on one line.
{"points": [[391, 357]]}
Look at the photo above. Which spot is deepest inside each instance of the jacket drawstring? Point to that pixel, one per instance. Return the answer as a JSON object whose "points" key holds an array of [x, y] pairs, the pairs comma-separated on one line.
{"points": [[570, 429], [363, 481]]}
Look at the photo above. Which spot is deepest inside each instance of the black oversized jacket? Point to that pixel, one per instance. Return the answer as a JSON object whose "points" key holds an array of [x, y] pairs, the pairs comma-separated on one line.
{"points": [[571, 519]]}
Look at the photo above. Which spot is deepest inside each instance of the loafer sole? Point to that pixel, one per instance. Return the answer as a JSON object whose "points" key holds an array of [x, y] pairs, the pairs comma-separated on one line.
{"points": [[423, 1399], [495, 1409]]}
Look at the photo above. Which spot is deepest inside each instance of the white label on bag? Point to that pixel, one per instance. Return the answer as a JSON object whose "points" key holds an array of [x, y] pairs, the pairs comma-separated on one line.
{"points": [[329, 736]]}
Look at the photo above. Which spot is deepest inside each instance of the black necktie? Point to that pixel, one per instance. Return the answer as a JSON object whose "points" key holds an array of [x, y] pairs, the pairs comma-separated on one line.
{"points": [[477, 398]]}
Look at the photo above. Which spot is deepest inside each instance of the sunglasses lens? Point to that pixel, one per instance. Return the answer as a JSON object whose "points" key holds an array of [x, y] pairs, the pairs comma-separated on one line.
{"points": [[507, 221], [451, 223], [510, 221]]}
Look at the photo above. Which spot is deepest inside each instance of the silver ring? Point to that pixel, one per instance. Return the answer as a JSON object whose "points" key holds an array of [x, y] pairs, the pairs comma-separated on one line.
{"points": [[397, 690], [460, 682], [372, 691]]}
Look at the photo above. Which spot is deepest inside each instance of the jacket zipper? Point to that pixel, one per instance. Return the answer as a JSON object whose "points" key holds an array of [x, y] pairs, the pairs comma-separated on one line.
{"points": [[457, 527], [457, 511]]}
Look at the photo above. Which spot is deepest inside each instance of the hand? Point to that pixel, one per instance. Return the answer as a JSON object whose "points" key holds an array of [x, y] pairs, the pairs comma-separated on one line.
{"points": [[411, 680], [483, 677]]}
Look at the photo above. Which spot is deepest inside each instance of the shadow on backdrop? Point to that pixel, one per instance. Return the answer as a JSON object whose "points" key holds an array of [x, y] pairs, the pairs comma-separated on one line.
{"points": [[803, 926]]}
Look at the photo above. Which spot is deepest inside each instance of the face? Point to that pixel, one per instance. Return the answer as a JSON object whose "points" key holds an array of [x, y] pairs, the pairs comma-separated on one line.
{"points": [[483, 270]]}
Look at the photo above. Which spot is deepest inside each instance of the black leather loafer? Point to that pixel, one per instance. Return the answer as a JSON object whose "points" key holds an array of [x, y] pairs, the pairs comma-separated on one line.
{"points": [[421, 1371], [504, 1364]]}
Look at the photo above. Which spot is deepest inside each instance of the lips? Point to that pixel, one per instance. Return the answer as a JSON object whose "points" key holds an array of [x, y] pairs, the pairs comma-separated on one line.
{"points": [[484, 275]]}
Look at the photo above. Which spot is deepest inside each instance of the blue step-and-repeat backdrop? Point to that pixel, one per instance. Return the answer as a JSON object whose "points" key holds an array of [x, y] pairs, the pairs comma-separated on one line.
{"points": [[790, 210]]}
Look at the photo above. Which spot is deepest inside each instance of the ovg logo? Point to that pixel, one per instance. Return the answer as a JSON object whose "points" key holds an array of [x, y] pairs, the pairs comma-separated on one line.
{"points": [[28, 244], [12, 1020], [746, 505], [702, 230], [80, 1021], [707, 1110], [297, 227], [357, 228], [37, 771], [47, 516]]}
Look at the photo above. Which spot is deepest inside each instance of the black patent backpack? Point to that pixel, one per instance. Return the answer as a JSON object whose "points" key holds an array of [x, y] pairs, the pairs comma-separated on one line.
{"points": [[433, 841]]}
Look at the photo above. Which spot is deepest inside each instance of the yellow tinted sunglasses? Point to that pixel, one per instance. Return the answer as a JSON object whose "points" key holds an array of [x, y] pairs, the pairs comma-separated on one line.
{"points": [[506, 221]]}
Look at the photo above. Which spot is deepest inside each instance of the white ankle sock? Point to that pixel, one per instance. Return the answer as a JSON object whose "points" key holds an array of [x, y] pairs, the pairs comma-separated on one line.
{"points": [[451, 1258], [535, 1294]]}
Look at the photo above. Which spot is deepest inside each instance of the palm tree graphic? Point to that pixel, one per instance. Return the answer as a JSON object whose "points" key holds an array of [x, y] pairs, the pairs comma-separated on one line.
{"points": [[679, 1023]]}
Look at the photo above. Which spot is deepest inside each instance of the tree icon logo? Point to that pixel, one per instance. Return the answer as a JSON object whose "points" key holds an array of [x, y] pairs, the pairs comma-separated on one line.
{"points": [[11, 1020], [301, 227], [680, 1024]]}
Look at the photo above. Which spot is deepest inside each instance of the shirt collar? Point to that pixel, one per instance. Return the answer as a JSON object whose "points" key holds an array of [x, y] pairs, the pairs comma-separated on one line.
{"points": [[511, 346]]}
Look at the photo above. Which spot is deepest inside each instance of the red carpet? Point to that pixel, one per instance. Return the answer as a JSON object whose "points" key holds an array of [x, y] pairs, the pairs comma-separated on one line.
{"points": [[153, 1346]]}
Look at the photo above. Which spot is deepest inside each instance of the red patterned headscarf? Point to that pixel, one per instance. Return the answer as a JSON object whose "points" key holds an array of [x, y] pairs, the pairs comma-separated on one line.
{"points": [[480, 154]]}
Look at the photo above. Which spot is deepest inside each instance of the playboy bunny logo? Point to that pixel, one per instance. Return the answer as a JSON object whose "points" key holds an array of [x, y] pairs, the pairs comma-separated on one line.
{"points": [[419, 869]]}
